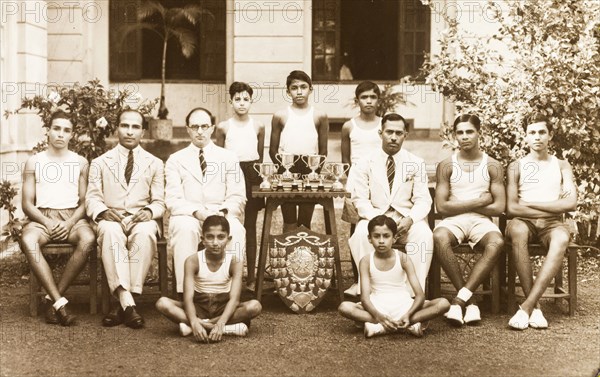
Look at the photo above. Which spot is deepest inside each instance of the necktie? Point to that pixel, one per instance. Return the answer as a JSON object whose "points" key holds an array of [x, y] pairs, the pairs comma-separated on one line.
{"points": [[202, 162], [129, 167], [391, 171]]}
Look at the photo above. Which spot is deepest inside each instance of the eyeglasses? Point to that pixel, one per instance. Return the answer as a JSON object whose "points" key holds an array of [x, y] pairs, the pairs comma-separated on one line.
{"points": [[202, 128]]}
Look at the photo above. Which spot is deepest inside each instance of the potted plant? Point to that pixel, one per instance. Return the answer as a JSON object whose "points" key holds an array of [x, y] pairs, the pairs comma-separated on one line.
{"points": [[167, 23]]}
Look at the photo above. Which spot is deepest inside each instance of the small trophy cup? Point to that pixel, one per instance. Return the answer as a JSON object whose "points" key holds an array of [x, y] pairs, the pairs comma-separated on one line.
{"points": [[338, 170], [313, 161], [265, 170], [287, 160]]}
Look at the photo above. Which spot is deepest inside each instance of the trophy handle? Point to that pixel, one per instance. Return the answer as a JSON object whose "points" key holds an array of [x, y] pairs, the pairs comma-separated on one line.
{"points": [[255, 169], [278, 158], [346, 168], [304, 160]]}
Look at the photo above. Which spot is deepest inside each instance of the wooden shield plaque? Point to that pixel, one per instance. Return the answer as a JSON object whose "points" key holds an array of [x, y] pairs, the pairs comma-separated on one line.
{"points": [[302, 265]]}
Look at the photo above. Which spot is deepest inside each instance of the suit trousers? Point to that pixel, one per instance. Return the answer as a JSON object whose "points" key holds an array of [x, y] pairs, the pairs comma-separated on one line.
{"points": [[419, 247], [184, 237], [127, 257]]}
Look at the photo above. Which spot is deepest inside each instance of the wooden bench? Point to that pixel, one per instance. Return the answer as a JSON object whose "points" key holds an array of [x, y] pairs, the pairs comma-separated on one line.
{"points": [[163, 283], [63, 249]]}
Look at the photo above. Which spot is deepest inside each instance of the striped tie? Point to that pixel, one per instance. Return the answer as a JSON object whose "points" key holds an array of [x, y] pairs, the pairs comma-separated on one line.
{"points": [[202, 162], [391, 171], [129, 167]]}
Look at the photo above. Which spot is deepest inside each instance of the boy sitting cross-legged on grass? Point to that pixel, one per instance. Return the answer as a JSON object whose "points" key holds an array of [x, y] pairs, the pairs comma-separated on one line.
{"points": [[386, 304], [212, 286]]}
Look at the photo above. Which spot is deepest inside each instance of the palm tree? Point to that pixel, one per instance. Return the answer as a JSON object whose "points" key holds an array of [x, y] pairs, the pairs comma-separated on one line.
{"points": [[168, 23]]}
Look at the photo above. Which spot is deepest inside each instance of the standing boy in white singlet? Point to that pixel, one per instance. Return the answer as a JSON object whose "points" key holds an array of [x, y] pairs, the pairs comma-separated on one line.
{"points": [[540, 190], [299, 129], [470, 189], [54, 186], [246, 137], [360, 137], [212, 287]]}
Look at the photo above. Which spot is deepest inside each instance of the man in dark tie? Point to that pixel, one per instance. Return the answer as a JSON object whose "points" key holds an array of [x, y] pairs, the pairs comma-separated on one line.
{"points": [[203, 179], [393, 182], [125, 198]]}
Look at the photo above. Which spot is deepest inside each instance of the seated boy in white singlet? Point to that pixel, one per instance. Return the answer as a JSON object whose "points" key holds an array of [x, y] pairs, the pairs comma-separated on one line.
{"points": [[54, 186], [385, 275], [212, 287], [246, 137], [470, 189], [540, 190], [299, 129], [360, 137]]}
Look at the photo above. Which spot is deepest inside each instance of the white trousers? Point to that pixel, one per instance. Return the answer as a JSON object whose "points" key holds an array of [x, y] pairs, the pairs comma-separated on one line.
{"points": [[419, 247], [127, 257], [184, 237]]}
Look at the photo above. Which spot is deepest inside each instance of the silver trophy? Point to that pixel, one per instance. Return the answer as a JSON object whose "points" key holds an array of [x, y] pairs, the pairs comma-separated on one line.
{"points": [[265, 170], [338, 170], [313, 161], [287, 160]]}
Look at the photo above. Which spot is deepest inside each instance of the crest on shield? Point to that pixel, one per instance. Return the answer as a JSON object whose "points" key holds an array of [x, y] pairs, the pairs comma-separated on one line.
{"points": [[302, 264]]}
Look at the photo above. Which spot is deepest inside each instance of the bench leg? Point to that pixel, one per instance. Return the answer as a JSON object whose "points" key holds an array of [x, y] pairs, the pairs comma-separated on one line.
{"points": [[34, 300], [163, 278], [435, 280], [496, 288], [93, 269], [512, 277], [105, 293], [572, 276]]}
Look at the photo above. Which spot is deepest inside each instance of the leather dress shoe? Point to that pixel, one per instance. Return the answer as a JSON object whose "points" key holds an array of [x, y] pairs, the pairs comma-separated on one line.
{"points": [[132, 318], [50, 314], [64, 317], [114, 317]]}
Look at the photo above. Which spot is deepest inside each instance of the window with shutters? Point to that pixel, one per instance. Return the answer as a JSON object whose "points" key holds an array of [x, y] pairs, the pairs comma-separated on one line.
{"points": [[136, 56], [369, 39]]}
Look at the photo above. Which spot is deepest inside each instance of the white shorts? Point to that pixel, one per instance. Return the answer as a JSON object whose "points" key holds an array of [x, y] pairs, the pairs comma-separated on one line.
{"points": [[469, 226], [394, 305]]}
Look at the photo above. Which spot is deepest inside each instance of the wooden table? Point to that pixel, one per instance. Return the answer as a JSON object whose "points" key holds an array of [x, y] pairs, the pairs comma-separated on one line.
{"points": [[275, 199]]}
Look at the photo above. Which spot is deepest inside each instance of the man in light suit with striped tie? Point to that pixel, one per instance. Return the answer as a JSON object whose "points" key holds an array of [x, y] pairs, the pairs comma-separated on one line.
{"points": [[125, 197], [203, 179], [393, 182]]}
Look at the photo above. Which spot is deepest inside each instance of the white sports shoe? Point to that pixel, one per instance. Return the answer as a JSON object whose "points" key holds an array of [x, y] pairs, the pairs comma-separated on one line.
{"points": [[519, 321], [237, 329], [415, 330], [455, 315], [184, 330], [352, 291], [372, 329], [472, 314], [537, 320]]}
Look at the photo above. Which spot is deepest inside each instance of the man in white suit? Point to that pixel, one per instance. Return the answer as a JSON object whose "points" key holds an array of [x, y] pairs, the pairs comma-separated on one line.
{"points": [[125, 198], [393, 182], [203, 179]]}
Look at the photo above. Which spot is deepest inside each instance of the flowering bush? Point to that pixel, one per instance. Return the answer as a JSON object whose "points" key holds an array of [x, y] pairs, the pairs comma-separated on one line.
{"points": [[13, 228], [545, 57], [93, 111]]}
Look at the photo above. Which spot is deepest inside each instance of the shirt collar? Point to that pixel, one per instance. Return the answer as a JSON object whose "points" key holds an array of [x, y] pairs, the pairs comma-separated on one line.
{"points": [[207, 148], [395, 156], [125, 152]]}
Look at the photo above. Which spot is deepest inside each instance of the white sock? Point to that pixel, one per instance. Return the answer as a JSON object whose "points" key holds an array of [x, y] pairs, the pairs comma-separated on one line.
{"points": [[464, 294], [239, 329], [48, 298], [126, 299], [60, 303]]}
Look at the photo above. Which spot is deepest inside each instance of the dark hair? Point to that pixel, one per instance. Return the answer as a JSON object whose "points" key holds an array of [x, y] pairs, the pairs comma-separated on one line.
{"points": [[215, 220], [365, 86], [471, 118], [187, 118], [393, 117], [536, 118], [382, 220], [144, 121], [59, 114], [239, 87], [297, 75]]}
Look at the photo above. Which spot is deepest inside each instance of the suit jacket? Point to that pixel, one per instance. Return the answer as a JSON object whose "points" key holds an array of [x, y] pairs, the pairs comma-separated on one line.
{"points": [[188, 190], [108, 189], [409, 196]]}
